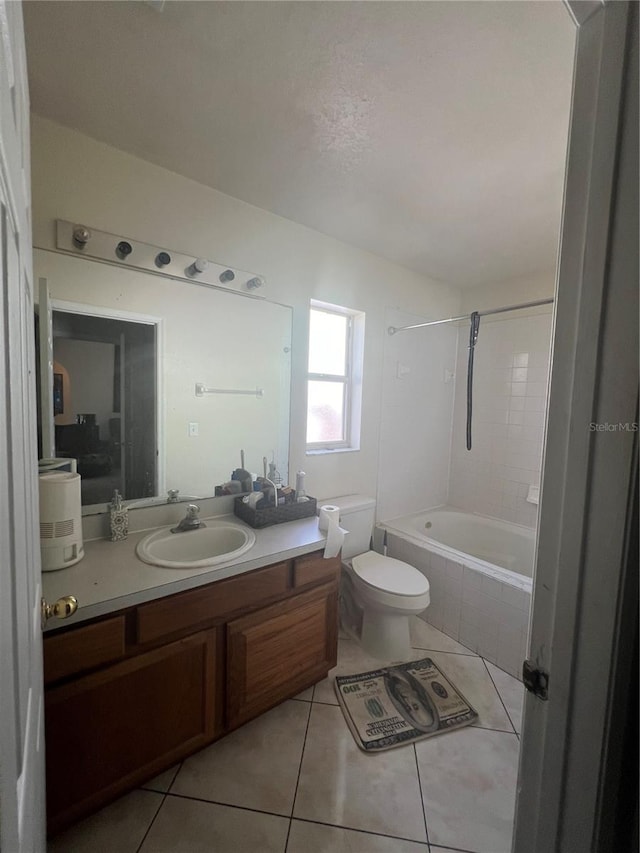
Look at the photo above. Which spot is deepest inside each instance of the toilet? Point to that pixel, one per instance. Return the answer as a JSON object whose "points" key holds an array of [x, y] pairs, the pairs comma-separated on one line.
{"points": [[377, 593]]}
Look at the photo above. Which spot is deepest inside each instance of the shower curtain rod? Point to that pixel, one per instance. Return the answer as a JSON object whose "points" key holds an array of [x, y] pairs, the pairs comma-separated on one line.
{"points": [[393, 329]]}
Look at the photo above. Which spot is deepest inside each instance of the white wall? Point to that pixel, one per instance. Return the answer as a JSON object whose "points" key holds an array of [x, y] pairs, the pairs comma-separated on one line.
{"points": [[79, 179], [89, 389], [510, 392]]}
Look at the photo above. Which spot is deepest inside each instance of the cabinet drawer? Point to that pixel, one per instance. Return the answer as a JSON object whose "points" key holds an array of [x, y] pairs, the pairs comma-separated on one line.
{"points": [[83, 648], [313, 568], [188, 610]]}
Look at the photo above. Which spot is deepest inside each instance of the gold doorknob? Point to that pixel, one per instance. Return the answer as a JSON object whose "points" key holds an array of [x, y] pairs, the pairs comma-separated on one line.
{"points": [[61, 609]]}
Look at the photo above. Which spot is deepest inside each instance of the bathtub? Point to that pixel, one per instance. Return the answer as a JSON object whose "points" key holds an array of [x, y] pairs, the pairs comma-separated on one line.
{"points": [[480, 573]]}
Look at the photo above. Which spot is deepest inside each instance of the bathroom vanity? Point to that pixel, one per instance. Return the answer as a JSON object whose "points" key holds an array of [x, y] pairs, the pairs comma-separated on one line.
{"points": [[136, 688]]}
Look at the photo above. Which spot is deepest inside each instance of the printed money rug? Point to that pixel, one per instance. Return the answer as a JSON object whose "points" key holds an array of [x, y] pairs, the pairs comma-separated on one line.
{"points": [[396, 705]]}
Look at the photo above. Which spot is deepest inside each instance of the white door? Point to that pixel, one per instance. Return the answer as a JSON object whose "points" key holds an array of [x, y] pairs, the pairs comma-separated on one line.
{"points": [[22, 811], [579, 628]]}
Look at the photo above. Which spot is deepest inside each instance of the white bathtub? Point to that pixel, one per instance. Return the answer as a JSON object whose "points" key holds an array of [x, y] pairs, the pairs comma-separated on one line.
{"points": [[480, 574], [494, 543]]}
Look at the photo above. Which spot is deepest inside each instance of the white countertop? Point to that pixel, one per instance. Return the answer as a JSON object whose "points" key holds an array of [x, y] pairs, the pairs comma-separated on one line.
{"points": [[111, 577]]}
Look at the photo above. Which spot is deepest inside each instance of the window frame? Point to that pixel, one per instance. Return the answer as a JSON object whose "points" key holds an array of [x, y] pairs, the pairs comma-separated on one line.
{"points": [[346, 379]]}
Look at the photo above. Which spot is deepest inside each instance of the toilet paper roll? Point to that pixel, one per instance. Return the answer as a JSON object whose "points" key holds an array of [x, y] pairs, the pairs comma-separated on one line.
{"points": [[335, 533], [326, 512]]}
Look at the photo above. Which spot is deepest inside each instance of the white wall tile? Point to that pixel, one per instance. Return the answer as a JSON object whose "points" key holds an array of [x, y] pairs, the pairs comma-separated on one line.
{"points": [[515, 597], [510, 390], [469, 636], [491, 587]]}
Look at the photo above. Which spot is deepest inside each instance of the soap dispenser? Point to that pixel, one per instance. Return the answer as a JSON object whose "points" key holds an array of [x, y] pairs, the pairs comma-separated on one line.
{"points": [[118, 518]]}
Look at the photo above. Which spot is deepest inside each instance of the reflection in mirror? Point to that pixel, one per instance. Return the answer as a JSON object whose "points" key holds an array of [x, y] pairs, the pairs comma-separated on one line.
{"points": [[124, 384], [104, 373]]}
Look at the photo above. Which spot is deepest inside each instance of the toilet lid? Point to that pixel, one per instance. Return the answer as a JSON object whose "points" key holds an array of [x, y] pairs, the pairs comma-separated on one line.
{"points": [[389, 575]]}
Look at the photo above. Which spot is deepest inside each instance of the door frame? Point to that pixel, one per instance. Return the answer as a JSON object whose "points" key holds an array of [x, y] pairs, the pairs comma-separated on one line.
{"points": [[588, 475]]}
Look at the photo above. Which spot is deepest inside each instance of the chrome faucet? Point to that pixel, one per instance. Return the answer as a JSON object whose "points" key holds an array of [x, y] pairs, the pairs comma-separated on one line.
{"points": [[191, 520]]}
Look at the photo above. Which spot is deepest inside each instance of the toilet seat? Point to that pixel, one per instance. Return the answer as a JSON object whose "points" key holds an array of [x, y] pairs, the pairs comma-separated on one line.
{"points": [[386, 574]]}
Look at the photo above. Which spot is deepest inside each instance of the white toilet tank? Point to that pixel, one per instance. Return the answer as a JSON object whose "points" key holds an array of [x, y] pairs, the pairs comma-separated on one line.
{"points": [[357, 515]]}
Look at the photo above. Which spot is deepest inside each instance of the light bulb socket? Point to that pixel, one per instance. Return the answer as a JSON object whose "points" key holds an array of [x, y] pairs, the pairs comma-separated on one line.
{"points": [[81, 236], [198, 266], [123, 250]]}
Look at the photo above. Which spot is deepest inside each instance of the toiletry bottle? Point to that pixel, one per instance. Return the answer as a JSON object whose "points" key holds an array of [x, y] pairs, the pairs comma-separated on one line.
{"points": [[118, 518], [301, 495], [274, 474]]}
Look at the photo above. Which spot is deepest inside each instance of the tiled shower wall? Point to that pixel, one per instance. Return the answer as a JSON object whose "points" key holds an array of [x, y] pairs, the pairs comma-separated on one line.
{"points": [[509, 400]]}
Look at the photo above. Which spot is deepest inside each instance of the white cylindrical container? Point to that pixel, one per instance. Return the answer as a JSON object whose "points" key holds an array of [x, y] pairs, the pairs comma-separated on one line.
{"points": [[60, 520]]}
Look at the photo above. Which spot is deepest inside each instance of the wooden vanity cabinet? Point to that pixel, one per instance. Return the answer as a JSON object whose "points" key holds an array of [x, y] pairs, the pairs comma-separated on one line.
{"points": [[131, 694]]}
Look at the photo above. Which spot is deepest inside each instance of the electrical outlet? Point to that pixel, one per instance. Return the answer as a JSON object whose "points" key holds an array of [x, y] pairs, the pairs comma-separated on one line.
{"points": [[193, 429]]}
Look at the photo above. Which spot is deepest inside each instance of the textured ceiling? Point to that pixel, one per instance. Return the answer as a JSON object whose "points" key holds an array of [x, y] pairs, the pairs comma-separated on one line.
{"points": [[431, 133]]}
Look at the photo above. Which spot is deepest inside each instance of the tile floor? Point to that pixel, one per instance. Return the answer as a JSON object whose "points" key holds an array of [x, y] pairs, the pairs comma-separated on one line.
{"points": [[293, 780]]}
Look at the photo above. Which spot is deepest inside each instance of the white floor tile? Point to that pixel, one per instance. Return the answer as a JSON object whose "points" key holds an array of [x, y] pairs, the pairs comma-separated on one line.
{"points": [[511, 692], [341, 785], [316, 838], [468, 782], [425, 636], [255, 767], [471, 678], [445, 850], [189, 826], [120, 826]]}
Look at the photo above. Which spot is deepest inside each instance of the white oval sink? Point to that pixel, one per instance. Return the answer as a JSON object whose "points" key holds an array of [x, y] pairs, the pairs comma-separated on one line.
{"points": [[195, 549]]}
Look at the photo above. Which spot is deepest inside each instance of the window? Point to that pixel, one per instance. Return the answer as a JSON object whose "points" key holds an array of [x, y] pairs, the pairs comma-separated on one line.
{"points": [[334, 379]]}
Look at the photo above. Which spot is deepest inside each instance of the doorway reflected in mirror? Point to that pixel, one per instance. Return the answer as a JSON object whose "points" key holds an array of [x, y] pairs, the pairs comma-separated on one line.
{"points": [[106, 369]]}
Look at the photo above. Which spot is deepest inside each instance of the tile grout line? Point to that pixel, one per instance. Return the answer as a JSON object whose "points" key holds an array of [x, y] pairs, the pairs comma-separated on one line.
{"points": [[173, 779], [295, 793], [468, 654], [151, 822], [290, 818], [362, 831], [424, 811], [495, 686], [489, 729], [164, 797], [194, 799]]}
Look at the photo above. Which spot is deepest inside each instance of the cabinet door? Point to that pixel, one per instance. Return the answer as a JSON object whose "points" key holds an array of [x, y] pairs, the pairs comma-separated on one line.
{"points": [[111, 730], [278, 651]]}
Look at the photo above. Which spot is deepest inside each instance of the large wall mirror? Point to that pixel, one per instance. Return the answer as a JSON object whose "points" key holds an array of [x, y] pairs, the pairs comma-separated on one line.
{"points": [[156, 384]]}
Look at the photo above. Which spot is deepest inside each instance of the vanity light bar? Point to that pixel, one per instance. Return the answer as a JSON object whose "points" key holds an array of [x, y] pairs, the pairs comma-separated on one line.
{"points": [[79, 239], [202, 389]]}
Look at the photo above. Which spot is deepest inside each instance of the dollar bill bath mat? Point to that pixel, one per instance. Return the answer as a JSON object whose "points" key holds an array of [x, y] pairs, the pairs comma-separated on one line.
{"points": [[396, 705]]}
